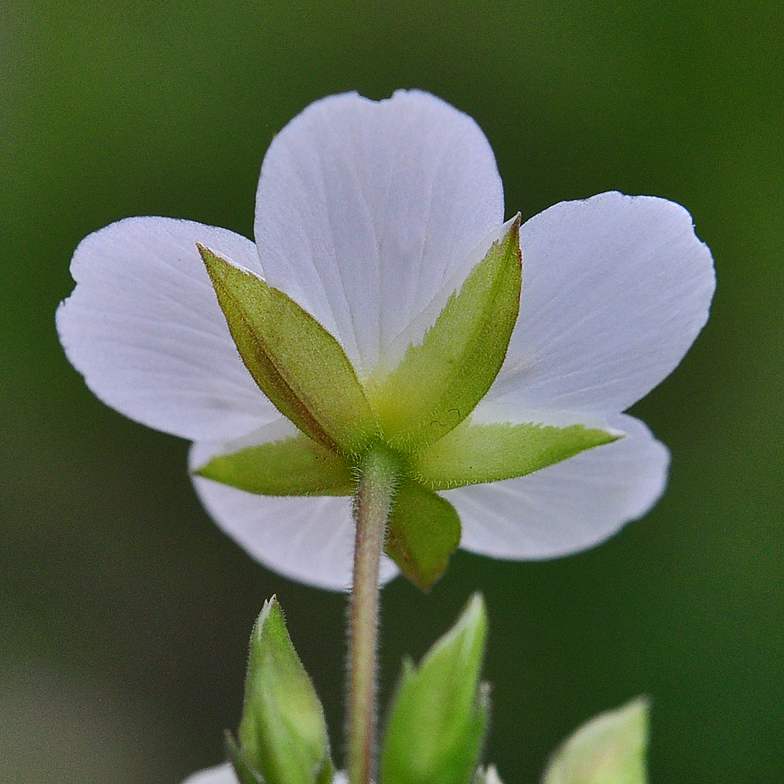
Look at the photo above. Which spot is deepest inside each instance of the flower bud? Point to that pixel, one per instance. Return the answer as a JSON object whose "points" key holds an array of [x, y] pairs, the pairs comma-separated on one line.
{"points": [[439, 717], [283, 734], [609, 749]]}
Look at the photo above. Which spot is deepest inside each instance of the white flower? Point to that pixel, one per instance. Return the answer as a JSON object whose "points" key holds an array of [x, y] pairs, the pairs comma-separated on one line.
{"points": [[369, 215]]}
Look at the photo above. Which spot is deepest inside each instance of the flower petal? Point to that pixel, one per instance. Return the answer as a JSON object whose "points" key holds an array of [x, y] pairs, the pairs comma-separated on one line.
{"points": [[365, 208], [144, 327], [615, 290], [224, 774], [220, 774], [306, 539], [569, 506]]}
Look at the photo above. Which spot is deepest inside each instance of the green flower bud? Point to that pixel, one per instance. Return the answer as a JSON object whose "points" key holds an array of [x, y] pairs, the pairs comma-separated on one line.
{"points": [[283, 734], [609, 749], [439, 717]]}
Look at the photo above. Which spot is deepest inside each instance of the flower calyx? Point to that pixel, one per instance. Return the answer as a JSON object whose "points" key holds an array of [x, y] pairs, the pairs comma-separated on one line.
{"points": [[419, 412]]}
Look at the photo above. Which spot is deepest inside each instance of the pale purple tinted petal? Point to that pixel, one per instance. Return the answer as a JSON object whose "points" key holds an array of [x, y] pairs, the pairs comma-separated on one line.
{"points": [[144, 327], [615, 290], [365, 208], [306, 539], [569, 506]]}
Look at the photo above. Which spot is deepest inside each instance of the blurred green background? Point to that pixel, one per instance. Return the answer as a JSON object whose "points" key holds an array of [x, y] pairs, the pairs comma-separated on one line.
{"points": [[125, 613]]}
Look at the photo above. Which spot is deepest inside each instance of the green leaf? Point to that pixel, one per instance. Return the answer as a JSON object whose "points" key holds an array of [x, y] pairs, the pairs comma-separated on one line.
{"points": [[609, 749], [439, 716], [294, 466], [282, 734], [474, 454], [423, 530], [297, 364], [438, 383]]}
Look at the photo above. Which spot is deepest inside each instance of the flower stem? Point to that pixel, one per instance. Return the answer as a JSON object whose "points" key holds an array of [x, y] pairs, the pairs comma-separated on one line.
{"points": [[378, 474]]}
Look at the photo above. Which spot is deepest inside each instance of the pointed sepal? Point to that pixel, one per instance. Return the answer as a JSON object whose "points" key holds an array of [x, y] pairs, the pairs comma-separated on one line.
{"points": [[283, 733], [476, 453], [423, 530], [293, 466], [439, 382], [296, 363], [243, 770], [439, 717], [608, 749]]}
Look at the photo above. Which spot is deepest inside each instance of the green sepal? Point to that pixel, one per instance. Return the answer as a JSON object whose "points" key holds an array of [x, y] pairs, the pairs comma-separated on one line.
{"points": [[245, 772], [296, 363], [294, 466], [608, 749], [283, 733], [439, 716], [423, 530], [474, 454], [439, 382]]}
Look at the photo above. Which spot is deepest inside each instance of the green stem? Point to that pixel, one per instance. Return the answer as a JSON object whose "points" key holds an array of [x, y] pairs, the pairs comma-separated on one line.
{"points": [[378, 474]]}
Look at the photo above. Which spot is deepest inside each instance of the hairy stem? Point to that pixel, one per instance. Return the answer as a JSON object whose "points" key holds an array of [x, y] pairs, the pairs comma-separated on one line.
{"points": [[372, 503]]}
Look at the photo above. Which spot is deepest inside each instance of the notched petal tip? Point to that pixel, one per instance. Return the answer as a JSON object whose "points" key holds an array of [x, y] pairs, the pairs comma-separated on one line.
{"points": [[365, 207]]}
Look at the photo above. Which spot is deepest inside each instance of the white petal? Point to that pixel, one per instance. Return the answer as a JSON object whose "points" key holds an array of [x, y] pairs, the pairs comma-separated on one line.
{"points": [[306, 539], [144, 327], [220, 774], [569, 506], [365, 208], [224, 774], [615, 290]]}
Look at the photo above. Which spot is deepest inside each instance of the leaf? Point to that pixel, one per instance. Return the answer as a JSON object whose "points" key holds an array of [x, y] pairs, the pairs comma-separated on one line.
{"points": [[293, 466], [423, 530], [438, 383], [296, 363], [474, 454], [439, 715], [609, 749]]}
